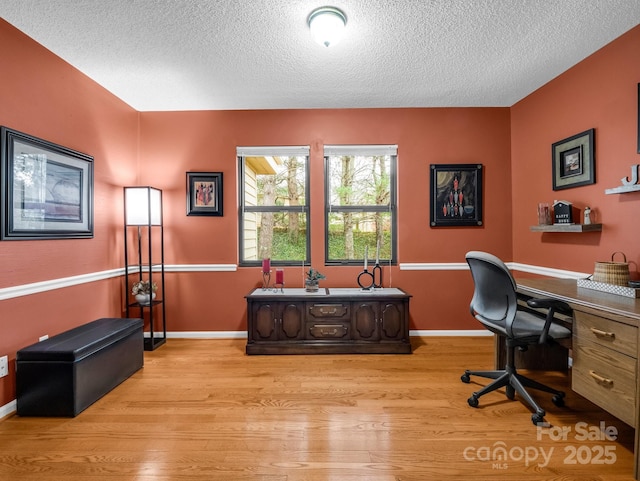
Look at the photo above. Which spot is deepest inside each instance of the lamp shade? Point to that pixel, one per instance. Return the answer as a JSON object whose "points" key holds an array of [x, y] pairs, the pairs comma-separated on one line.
{"points": [[142, 206], [327, 25]]}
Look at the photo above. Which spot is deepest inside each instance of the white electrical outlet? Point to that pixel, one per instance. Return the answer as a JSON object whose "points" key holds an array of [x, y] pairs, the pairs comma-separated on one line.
{"points": [[43, 338], [4, 366]]}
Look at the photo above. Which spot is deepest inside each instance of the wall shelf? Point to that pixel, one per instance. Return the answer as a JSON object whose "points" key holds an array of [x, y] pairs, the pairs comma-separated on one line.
{"points": [[567, 228], [623, 189]]}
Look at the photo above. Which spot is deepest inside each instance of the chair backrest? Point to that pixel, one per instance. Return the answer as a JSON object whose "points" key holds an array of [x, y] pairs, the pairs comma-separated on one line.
{"points": [[494, 298]]}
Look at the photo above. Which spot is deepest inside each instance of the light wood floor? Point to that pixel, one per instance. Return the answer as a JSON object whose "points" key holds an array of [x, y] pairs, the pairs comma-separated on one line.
{"points": [[203, 410]]}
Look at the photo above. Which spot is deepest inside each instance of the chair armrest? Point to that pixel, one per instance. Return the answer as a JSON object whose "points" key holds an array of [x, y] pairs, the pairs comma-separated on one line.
{"points": [[553, 306]]}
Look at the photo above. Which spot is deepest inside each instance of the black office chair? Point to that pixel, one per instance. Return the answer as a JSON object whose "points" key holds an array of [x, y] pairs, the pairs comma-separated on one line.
{"points": [[495, 305]]}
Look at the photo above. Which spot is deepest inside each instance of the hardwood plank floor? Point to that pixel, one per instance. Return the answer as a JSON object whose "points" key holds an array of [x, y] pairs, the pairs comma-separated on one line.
{"points": [[203, 410]]}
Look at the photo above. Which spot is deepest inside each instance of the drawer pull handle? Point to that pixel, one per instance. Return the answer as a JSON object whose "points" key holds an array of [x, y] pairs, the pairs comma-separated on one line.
{"points": [[324, 310], [600, 379], [601, 333]]}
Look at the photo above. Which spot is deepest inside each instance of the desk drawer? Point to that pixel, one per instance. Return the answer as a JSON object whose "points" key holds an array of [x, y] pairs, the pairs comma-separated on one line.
{"points": [[605, 332], [329, 311], [334, 330], [606, 378]]}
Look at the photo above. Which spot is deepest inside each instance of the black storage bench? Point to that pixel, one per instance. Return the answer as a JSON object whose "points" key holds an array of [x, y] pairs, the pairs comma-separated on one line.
{"points": [[65, 374]]}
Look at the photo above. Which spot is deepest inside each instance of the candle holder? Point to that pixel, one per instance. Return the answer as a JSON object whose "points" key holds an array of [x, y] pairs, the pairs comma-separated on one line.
{"points": [[266, 273], [279, 281], [266, 280], [365, 280], [377, 276]]}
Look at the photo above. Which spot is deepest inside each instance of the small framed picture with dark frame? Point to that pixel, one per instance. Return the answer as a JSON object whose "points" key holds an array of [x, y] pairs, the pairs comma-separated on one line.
{"points": [[47, 189], [204, 193], [573, 161], [456, 195]]}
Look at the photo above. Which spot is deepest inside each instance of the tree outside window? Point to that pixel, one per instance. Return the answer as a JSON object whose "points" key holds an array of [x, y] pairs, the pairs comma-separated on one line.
{"points": [[360, 206], [274, 209]]}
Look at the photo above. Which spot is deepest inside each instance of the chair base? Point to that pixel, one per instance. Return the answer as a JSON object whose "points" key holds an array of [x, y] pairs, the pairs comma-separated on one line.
{"points": [[514, 383]]}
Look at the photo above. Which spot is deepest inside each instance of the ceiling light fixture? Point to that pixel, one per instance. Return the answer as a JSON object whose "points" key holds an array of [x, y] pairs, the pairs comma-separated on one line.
{"points": [[327, 25]]}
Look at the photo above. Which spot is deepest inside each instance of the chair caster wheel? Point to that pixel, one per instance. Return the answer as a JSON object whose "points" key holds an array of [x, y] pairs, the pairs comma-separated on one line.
{"points": [[473, 401], [465, 378], [558, 400], [511, 392], [537, 418]]}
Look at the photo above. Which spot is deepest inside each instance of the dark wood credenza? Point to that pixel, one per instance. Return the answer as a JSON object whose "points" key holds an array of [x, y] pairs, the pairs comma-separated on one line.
{"points": [[330, 321]]}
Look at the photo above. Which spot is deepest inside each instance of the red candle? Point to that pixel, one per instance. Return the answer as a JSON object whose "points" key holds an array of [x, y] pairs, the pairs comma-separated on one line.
{"points": [[266, 265], [279, 276]]}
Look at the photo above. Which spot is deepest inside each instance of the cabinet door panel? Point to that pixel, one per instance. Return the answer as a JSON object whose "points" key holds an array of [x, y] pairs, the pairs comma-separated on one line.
{"points": [[292, 321], [366, 321], [392, 319], [265, 322]]}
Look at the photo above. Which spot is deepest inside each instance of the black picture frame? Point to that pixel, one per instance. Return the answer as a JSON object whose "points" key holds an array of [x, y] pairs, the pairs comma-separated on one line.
{"points": [[47, 189], [456, 195], [204, 193], [573, 161]]}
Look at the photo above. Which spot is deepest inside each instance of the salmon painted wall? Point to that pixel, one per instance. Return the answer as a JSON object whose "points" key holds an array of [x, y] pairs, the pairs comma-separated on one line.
{"points": [[43, 96], [173, 143], [600, 92], [47, 98]]}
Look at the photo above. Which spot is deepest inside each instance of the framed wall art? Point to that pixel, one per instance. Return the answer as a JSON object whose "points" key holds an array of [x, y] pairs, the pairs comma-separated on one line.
{"points": [[47, 189], [573, 161], [456, 195], [204, 193]]}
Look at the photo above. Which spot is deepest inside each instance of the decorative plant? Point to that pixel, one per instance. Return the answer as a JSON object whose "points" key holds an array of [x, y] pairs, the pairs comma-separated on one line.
{"points": [[313, 276], [144, 287]]}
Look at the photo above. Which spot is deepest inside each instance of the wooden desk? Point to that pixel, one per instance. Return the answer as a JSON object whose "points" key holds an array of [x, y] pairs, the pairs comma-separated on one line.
{"points": [[329, 321], [605, 347]]}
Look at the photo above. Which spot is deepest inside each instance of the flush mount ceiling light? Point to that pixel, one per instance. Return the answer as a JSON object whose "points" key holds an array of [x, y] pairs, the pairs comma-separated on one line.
{"points": [[327, 25]]}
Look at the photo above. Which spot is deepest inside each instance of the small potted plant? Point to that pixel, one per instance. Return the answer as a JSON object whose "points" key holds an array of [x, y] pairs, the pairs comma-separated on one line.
{"points": [[311, 282], [144, 291]]}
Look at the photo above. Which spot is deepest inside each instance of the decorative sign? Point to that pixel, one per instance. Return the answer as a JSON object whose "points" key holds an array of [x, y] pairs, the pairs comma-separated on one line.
{"points": [[562, 212]]}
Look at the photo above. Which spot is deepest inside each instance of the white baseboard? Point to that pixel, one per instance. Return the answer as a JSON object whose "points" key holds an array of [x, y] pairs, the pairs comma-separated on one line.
{"points": [[243, 334], [446, 333], [207, 335], [8, 409]]}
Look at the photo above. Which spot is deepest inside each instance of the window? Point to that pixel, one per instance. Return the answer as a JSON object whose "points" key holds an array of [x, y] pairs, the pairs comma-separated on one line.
{"points": [[274, 205], [360, 203]]}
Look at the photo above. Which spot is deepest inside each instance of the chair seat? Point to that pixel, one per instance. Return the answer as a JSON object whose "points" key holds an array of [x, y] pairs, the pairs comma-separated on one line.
{"points": [[525, 326]]}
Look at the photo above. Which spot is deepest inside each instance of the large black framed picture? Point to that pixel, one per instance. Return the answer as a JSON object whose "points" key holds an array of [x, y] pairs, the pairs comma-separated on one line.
{"points": [[47, 189], [573, 161], [456, 195], [204, 193]]}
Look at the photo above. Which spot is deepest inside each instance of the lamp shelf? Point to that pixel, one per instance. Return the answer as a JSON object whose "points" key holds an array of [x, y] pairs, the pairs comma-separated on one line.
{"points": [[567, 228], [144, 246]]}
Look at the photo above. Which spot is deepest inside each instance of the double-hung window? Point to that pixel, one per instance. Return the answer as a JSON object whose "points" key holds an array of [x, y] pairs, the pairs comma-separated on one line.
{"points": [[360, 203], [274, 205]]}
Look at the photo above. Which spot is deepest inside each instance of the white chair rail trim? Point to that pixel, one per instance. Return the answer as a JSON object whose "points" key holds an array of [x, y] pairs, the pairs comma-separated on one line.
{"points": [[43, 286], [514, 266], [61, 283]]}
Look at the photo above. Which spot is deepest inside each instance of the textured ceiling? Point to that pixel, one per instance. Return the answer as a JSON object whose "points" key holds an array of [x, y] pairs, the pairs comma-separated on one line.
{"points": [[259, 54]]}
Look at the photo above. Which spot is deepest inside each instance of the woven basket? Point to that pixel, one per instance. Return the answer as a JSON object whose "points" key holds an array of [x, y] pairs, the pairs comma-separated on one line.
{"points": [[611, 272]]}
